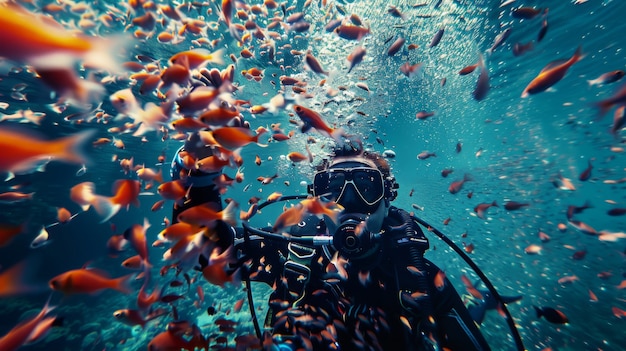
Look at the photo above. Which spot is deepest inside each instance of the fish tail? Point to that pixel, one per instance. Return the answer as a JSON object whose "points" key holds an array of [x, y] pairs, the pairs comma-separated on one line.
{"points": [[229, 214], [102, 51], [105, 207], [260, 131], [337, 133], [217, 57], [578, 55], [71, 148], [604, 107], [122, 284]]}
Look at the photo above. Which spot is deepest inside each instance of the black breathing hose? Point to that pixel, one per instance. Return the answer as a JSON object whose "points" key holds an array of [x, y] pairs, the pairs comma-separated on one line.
{"points": [[509, 319], [414, 254]]}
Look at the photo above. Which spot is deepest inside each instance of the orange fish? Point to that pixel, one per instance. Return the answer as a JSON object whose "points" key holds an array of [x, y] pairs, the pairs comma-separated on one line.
{"points": [[43, 42], [470, 288], [197, 58], [13, 280], [206, 215], [187, 338], [88, 281], [288, 218], [23, 150], [136, 236], [27, 331], [219, 116], [312, 119], [456, 186], [215, 272], [440, 280], [126, 192], [551, 74], [233, 138]]}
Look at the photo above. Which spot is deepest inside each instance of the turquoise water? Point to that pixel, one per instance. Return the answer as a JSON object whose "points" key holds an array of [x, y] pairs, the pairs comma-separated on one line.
{"points": [[513, 148]]}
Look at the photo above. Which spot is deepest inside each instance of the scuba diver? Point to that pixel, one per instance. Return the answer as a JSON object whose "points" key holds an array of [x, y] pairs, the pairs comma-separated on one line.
{"points": [[351, 274]]}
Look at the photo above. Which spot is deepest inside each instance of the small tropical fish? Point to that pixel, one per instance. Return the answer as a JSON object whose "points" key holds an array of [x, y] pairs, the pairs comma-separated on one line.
{"points": [[525, 12], [356, 57], [481, 209], [514, 205], [482, 84], [532, 249], [607, 78], [551, 74], [499, 40], [28, 331], [351, 32], [552, 315], [44, 43], [436, 38], [618, 99], [233, 138], [410, 70], [136, 236], [312, 119], [456, 186], [424, 114], [425, 154], [586, 174], [396, 46], [88, 281], [314, 64], [206, 215], [24, 150], [11, 197], [544, 26]]}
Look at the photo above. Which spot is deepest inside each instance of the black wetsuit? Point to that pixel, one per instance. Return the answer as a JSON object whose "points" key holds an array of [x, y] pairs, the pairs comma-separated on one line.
{"points": [[389, 300]]}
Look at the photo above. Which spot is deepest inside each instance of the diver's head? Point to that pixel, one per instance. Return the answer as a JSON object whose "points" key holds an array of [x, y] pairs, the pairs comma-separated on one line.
{"points": [[360, 181]]}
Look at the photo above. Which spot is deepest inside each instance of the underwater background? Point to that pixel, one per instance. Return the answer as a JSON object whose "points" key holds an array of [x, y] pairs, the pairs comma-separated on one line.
{"points": [[512, 149]]}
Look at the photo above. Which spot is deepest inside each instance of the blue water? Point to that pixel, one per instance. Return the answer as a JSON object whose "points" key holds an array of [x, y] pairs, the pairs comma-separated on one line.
{"points": [[513, 148]]}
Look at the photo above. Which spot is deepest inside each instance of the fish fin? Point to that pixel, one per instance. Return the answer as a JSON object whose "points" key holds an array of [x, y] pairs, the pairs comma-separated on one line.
{"points": [[101, 55], [122, 284], [105, 207], [229, 214], [71, 147], [337, 134]]}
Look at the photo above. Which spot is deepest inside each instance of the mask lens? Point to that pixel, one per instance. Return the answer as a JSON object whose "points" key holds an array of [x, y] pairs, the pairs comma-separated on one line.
{"points": [[367, 182]]}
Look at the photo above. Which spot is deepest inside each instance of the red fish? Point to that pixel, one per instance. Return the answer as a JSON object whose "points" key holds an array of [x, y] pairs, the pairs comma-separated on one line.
{"points": [[617, 99], [586, 174], [551, 74], [88, 281], [233, 138], [312, 119], [456, 186], [27, 331], [481, 209]]}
